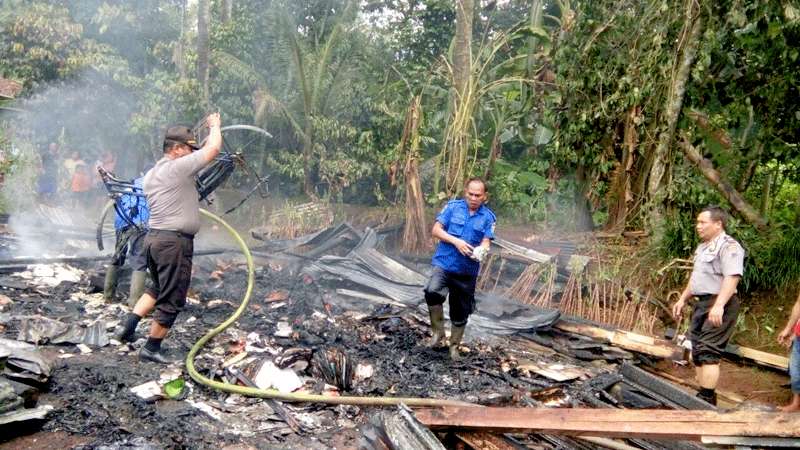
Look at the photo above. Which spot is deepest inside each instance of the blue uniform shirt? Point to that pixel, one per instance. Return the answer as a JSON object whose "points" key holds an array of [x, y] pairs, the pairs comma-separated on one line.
{"points": [[134, 206], [456, 221]]}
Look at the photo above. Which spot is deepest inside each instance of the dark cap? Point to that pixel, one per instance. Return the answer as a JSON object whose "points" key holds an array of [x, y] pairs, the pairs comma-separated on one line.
{"points": [[182, 134]]}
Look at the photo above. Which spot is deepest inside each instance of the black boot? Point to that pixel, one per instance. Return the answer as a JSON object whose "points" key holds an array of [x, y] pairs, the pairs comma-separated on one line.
{"points": [[152, 352], [708, 395]]}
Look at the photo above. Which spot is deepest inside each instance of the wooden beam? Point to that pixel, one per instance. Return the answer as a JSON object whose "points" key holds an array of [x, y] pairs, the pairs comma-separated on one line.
{"points": [[624, 339], [619, 423], [763, 358]]}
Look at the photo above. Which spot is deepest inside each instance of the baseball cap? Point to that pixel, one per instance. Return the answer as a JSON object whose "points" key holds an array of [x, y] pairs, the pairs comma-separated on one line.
{"points": [[182, 134]]}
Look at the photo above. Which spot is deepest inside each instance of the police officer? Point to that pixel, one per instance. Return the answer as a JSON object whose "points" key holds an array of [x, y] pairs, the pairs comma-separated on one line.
{"points": [[169, 245], [718, 267], [130, 232], [464, 228]]}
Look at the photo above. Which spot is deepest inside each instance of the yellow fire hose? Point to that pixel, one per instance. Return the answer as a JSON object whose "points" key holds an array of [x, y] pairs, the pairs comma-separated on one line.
{"points": [[271, 393]]}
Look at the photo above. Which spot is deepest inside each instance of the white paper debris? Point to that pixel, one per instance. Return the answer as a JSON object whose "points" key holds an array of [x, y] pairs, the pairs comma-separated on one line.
{"points": [[284, 329], [148, 391], [270, 376]]}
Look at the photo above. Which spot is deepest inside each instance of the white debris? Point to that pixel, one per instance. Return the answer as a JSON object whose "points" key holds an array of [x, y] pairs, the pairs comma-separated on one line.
{"points": [[148, 391], [84, 348], [270, 376], [284, 330], [5, 301], [364, 371], [206, 408], [51, 274]]}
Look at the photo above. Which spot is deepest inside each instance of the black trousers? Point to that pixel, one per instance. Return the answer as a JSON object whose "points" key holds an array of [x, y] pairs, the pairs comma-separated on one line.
{"points": [[708, 341], [461, 290], [169, 260]]}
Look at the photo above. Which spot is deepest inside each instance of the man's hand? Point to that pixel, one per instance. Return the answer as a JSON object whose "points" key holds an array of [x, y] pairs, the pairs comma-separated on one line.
{"points": [[785, 337], [715, 314], [463, 247], [213, 120], [677, 309]]}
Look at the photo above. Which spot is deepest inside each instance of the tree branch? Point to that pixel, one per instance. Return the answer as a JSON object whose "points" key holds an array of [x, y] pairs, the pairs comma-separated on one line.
{"points": [[723, 186]]}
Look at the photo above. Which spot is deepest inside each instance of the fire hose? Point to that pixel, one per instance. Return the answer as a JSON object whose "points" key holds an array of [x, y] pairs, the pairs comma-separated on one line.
{"points": [[272, 393]]}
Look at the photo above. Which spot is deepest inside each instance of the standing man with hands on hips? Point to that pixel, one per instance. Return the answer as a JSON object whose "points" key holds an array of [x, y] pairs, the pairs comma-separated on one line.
{"points": [[465, 229]]}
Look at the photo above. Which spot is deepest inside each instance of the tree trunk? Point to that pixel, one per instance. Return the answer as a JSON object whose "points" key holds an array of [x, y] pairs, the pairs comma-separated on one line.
{"points": [[583, 211], [497, 148], [672, 110], [723, 186], [459, 140], [462, 48], [227, 11], [179, 57], [203, 14], [415, 232], [766, 192], [620, 195], [750, 169]]}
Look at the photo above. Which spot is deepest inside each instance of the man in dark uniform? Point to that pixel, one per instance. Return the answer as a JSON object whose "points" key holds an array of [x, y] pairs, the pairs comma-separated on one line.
{"points": [[718, 266], [465, 229], [174, 219]]}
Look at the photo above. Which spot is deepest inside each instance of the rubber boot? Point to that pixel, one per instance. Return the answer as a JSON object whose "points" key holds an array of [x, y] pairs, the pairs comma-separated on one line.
{"points": [[708, 395], [437, 326], [137, 287], [456, 333], [110, 285]]}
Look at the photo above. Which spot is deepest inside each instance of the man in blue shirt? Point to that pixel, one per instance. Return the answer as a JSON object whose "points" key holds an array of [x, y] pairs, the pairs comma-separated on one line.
{"points": [[130, 232], [465, 229]]}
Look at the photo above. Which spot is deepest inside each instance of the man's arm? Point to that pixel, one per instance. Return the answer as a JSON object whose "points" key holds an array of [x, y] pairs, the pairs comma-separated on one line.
{"points": [[784, 338], [439, 233], [677, 308], [725, 293], [214, 141]]}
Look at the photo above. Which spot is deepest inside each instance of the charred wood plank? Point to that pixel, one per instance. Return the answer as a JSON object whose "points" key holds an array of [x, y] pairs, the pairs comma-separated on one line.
{"points": [[691, 425]]}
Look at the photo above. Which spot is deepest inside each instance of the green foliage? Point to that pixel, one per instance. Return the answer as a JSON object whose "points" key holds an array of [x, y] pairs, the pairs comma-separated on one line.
{"points": [[520, 190]]}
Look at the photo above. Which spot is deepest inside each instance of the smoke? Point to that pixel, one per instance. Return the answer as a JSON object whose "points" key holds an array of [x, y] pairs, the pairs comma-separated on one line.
{"points": [[89, 116]]}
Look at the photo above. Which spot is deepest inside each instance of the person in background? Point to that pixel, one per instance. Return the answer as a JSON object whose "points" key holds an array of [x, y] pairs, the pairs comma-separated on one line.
{"points": [[130, 231], [718, 267], [789, 337], [81, 184], [47, 184], [69, 165], [465, 229]]}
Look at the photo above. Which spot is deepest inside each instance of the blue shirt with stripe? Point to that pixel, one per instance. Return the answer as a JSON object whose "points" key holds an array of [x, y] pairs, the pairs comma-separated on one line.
{"points": [[134, 206], [457, 221]]}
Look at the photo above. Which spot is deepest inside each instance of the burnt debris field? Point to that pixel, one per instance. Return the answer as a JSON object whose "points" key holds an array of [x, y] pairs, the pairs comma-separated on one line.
{"points": [[338, 314]]}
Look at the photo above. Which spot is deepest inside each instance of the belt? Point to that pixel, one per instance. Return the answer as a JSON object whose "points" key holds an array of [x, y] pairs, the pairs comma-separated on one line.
{"points": [[156, 232], [705, 296]]}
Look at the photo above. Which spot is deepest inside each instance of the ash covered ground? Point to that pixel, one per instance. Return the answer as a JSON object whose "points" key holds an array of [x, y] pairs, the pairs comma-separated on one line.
{"points": [[92, 394]]}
